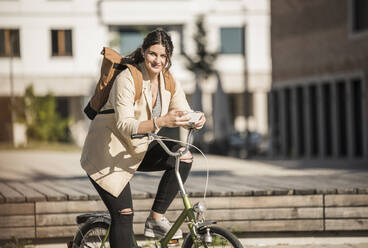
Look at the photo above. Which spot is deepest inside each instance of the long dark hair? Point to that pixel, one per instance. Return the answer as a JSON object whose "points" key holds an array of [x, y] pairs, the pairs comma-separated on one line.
{"points": [[157, 36]]}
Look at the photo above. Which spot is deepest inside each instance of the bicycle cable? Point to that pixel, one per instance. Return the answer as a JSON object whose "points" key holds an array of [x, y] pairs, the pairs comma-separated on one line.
{"points": [[206, 159], [163, 138]]}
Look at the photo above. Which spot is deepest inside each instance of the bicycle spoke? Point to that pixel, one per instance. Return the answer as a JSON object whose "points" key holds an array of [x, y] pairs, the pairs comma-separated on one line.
{"points": [[217, 242], [94, 239], [217, 237]]}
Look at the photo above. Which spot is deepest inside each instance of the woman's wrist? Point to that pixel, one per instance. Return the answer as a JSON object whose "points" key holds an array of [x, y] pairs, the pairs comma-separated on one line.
{"points": [[154, 120], [159, 122]]}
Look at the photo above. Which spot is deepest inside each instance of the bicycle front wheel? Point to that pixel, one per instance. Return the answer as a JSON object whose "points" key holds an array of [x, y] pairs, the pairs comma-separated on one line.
{"points": [[92, 235], [219, 238]]}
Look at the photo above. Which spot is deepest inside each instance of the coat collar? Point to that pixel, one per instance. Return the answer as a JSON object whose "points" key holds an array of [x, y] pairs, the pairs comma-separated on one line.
{"points": [[146, 87]]}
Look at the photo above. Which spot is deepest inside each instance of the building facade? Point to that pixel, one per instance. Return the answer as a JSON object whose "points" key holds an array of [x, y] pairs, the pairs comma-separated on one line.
{"points": [[319, 100], [55, 46]]}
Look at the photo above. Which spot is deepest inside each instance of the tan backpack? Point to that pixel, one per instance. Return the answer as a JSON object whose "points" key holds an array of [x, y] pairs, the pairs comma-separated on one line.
{"points": [[112, 64]]}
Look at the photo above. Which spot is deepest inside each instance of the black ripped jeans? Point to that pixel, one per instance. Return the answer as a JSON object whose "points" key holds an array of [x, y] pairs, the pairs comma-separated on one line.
{"points": [[156, 159]]}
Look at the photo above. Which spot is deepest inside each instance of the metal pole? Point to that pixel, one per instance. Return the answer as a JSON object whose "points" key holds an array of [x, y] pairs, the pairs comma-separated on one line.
{"points": [[246, 99], [11, 79]]}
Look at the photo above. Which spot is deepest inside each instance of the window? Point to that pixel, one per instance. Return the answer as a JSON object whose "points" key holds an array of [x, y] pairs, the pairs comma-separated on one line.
{"points": [[232, 40], [129, 41], [359, 15], [61, 42], [236, 105], [248, 103], [131, 37], [9, 43]]}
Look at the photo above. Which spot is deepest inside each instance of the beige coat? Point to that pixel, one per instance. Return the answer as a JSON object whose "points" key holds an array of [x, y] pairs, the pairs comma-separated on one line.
{"points": [[109, 155]]}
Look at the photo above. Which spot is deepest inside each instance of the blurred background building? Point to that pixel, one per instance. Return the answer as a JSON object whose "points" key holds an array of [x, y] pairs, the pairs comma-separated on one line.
{"points": [[55, 45], [319, 99]]}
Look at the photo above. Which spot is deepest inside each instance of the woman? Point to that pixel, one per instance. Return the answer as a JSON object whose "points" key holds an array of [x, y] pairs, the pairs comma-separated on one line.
{"points": [[110, 157]]}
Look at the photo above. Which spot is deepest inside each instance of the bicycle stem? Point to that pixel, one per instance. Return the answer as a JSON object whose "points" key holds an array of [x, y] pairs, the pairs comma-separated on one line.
{"points": [[177, 156], [179, 153], [178, 177]]}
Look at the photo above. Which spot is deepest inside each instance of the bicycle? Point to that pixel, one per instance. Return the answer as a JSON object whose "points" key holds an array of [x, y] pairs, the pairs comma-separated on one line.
{"points": [[94, 227]]}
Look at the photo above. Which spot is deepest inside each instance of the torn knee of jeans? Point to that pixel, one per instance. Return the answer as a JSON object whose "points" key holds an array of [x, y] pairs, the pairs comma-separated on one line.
{"points": [[190, 160], [187, 157], [126, 211]]}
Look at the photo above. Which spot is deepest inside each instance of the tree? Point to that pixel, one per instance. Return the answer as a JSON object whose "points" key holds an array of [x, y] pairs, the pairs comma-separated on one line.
{"points": [[202, 62], [42, 120], [202, 65]]}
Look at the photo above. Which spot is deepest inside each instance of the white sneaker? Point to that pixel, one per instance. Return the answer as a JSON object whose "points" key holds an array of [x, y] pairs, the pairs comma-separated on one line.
{"points": [[158, 228]]}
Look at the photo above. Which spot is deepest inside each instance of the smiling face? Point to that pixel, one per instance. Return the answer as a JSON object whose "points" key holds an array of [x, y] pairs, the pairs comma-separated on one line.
{"points": [[155, 59]]}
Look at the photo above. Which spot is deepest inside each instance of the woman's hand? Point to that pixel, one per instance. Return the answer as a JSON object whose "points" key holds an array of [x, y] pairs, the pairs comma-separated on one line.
{"points": [[174, 118], [200, 123]]}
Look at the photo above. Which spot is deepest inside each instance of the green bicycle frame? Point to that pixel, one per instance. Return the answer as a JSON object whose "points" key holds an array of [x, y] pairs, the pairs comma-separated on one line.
{"points": [[187, 213], [105, 238]]}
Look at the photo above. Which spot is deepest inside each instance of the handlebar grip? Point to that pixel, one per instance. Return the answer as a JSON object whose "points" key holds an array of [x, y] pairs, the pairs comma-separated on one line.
{"points": [[138, 136]]}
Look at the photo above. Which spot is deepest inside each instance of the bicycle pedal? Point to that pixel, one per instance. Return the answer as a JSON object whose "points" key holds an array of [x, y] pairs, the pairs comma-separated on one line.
{"points": [[173, 243]]}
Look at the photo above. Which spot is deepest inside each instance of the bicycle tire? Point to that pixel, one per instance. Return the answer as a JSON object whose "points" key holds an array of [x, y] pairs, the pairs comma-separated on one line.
{"points": [[221, 238], [91, 235]]}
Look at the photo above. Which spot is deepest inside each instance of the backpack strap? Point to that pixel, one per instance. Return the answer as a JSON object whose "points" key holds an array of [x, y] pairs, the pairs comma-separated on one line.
{"points": [[138, 81], [169, 82]]}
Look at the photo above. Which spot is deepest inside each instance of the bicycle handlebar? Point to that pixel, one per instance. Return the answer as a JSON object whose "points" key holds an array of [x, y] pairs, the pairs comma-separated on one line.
{"points": [[139, 136], [159, 140], [170, 153]]}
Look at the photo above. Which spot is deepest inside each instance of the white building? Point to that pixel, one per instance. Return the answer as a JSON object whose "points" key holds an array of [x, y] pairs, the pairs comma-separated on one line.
{"points": [[56, 46]]}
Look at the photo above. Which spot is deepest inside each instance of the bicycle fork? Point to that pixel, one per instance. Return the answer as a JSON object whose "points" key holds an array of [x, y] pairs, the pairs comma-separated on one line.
{"points": [[188, 213]]}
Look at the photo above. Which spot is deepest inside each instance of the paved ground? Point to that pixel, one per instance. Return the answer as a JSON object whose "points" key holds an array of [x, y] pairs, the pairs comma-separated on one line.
{"points": [[306, 242], [299, 242], [226, 174]]}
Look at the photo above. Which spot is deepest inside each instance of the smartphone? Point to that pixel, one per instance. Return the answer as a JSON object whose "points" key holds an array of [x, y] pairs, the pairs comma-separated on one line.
{"points": [[194, 116]]}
